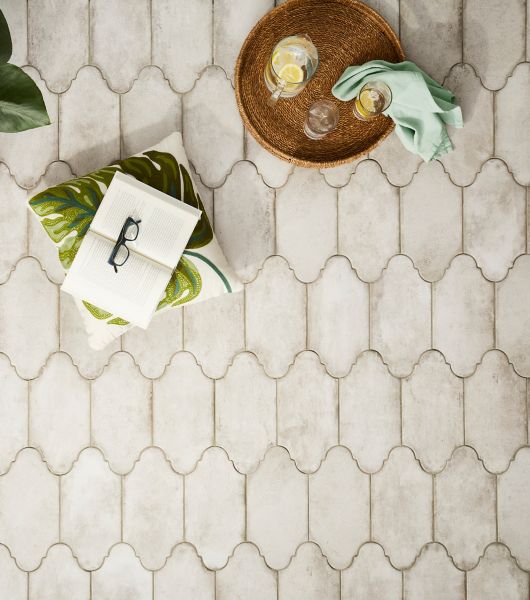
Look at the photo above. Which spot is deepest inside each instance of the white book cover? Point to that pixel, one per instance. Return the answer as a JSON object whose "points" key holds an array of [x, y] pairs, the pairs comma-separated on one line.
{"points": [[164, 228]]}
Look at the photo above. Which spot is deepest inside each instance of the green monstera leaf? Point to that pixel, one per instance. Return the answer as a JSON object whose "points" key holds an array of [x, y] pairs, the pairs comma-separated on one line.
{"points": [[185, 285]]}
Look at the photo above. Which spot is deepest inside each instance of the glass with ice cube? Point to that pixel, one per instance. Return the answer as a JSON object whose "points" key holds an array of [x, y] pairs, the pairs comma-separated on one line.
{"points": [[322, 118]]}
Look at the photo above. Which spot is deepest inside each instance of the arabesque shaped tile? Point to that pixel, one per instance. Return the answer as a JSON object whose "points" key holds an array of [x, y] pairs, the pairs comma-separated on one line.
{"points": [[496, 419], [464, 517], [277, 508], [28, 299], [58, 29], [245, 412], [152, 508], [130, 32], [431, 34], [339, 507], [205, 193], [370, 422], [309, 391], [183, 412], [16, 15], [13, 223], [274, 171], [433, 411], [462, 318], [59, 413], [214, 508], [246, 576], [214, 332], [13, 414], [371, 577], [89, 136], [29, 519], [306, 222], [513, 492], [122, 576], [341, 175], [400, 306], [244, 220], [213, 131], [512, 115], [473, 144], [338, 316], [369, 220], [397, 164], [401, 507], [497, 576], [491, 26], [275, 316], [13, 581], [308, 577], [90, 509], [388, 9], [431, 221], [59, 577], [121, 403], [494, 220]]}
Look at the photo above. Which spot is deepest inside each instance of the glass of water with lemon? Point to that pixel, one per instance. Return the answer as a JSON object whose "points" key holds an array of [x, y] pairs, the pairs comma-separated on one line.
{"points": [[293, 62]]}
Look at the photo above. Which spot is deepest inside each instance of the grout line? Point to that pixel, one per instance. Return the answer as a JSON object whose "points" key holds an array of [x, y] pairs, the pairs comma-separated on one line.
{"points": [[277, 407], [308, 507], [28, 32], [370, 315], [60, 508], [401, 411], [400, 220], [433, 493], [527, 411], [462, 207], [402, 585], [494, 286], [245, 340], [339, 441], [183, 508], [431, 289], [214, 411], [151, 30], [464, 411], [494, 149], [90, 417], [151, 409], [306, 288], [122, 502], [28, 412], [496, 480], [28, 586], [465, 585], [462, 45], [527, 219], [370, 508], [152, 585], [245, 535], [212, 61], [89, 38]]}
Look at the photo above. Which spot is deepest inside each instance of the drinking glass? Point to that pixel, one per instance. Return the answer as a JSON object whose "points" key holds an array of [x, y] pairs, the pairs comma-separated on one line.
{"points": [[373, 99], [293, 62], [322, 118]]}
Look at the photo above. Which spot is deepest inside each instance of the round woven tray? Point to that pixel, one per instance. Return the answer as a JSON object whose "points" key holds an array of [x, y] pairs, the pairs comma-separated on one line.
{"points": [[345, 32]]}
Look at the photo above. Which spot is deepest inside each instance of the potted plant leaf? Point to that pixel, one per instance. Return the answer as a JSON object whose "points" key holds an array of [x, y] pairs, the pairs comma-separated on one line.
{"points": [[21, 103]]}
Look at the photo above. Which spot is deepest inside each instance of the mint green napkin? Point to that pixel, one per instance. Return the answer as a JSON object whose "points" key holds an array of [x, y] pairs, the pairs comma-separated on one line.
{"points": [[420, 106]]}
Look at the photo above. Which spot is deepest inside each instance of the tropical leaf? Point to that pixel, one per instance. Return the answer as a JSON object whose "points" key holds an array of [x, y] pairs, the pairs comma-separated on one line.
{"points": [[5, 40], [118, 321], [96, 312], [203, 233], [185, 285]]}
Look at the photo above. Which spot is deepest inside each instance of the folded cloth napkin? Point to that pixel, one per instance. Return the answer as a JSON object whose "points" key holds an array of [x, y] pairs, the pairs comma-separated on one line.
{"points": [[420, 106]]}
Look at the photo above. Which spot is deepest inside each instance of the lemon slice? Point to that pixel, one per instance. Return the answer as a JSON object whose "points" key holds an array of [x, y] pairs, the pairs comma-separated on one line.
{"points": [[291, 73]]}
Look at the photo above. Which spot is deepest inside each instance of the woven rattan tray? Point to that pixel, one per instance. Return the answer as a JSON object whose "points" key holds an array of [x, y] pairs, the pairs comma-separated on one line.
{"points": [[345, 32]]}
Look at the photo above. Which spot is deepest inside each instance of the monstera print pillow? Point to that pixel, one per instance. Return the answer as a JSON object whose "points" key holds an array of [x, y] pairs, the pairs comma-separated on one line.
{"points": [[66, 211]]}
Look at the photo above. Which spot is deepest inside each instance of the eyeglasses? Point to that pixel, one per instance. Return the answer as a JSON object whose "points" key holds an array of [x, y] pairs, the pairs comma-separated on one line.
{"points": [[120, 253]]}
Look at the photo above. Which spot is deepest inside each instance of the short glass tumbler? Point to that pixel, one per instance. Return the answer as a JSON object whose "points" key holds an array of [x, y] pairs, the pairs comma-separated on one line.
{"points": [[373, 99], [322, 118]]}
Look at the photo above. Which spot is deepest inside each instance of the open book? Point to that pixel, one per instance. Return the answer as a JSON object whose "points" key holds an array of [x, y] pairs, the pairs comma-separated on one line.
{"points": [[164, 228]]}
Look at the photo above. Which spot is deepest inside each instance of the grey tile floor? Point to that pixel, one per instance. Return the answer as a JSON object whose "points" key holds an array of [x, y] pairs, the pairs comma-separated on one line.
{"points": [[357, 426]]}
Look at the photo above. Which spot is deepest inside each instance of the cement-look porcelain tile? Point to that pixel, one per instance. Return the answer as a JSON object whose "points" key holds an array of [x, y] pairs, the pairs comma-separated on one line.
{"points": [[244, 220], [246, 576], [245, 412], [462, 317], [495, 406], [371, 577], [58, 29], [275, 316], [184, 577], [431, 221], [369, 411], [512, 116], [214, 332], [182, 39], [309, 391], [308, 577], [339, 507], [513, 493], [59, 413], [28, 311], [431, 34], [16, 15], [150, 110], [121, 413], [13, 414], [90, 509], [213, 131], [13, 223], [400, 307], [306, 222], [497, 576], [29, 520], [339, 176], [473, 144], [152, 508], [368, 220], [183, 412], [214, 508], [401, 507], [277, 508], [397, 164], [494, 220], [122, 577], [464, 516], [494, 40], [28, 153], [59, 577], [128, 25], [273, 170], [434, 575], [388, 9], [205, 194], [233, 20], [13, 581], [432, 411]]}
